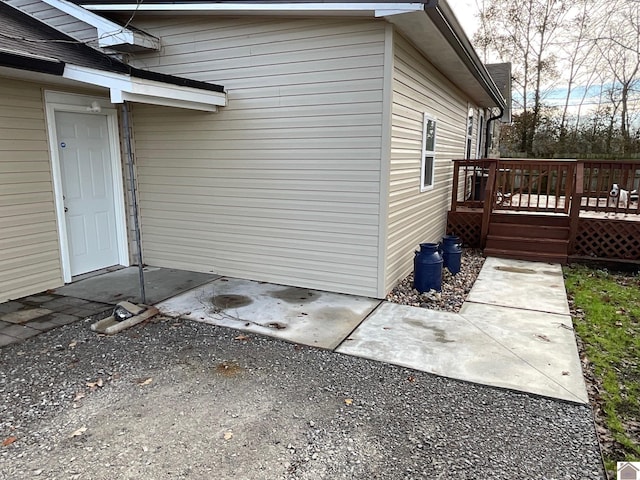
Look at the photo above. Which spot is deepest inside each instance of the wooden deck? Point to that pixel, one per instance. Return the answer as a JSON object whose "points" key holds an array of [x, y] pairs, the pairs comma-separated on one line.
{"points": [[546, 210]]}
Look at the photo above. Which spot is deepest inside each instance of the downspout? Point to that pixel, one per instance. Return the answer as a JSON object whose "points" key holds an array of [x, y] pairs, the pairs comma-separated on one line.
{"points": [[134, 198], [488, 129]]}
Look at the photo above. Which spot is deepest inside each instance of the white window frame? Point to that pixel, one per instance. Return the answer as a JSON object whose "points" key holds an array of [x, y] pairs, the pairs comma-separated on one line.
{"points": [[469, 153], [481, 127], [428, 153]]}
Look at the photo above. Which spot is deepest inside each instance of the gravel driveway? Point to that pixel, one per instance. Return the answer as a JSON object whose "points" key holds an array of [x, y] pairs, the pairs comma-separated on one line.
{"points": [[172, 399]]}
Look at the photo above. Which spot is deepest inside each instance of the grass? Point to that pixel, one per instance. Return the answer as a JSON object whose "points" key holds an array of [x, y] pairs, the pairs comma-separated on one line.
{"points": [[607, 320]]}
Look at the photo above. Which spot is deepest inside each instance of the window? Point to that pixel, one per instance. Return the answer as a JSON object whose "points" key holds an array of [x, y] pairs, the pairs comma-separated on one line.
{"points": [[469, 150], [480, 136], [428, 153]]}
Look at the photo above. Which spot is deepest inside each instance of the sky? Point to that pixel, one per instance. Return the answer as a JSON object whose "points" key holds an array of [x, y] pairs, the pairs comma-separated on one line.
{"points": [[465, 11]]}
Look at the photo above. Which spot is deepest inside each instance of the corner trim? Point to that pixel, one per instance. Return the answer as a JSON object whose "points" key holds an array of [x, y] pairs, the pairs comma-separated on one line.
{"points": [[385, 157]]}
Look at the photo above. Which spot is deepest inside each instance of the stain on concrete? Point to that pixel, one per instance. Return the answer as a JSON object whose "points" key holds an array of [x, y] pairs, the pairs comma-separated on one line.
{"points": [[295, 295], [228, 369], [335, 314], [542, 338], [226, 302], [515, 269], [550, 272], [276, 325], [439, 333]]}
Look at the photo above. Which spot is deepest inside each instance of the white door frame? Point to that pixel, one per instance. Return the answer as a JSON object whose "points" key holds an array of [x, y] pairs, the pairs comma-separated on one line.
{"points": [[74, 103]]}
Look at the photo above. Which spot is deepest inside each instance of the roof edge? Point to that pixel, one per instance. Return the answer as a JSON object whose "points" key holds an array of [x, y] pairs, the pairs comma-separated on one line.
{"points": [[445, 20], [33, 63]]}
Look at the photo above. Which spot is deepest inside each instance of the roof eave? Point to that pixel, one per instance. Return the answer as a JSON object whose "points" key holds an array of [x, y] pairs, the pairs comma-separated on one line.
{"points": [[110, 34], [124, 87], [362, 8], [32, 63], [448, 48]]}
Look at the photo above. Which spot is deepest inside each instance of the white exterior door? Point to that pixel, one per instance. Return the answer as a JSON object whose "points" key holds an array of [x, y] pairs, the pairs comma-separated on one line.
{"points": [[88, 191]]}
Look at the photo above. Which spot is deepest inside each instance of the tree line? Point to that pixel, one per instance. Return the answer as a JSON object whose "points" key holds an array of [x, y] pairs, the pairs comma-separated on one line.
{"points": [[575, 74]]}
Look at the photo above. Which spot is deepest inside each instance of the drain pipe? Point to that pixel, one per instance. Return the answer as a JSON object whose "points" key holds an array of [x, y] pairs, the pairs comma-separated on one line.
{"points": [[134, 198], [486, 136]]}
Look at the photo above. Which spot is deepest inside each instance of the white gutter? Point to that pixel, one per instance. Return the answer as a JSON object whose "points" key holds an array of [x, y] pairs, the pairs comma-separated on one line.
{"points": [[110, 34], [377, 9], [123, 87]]}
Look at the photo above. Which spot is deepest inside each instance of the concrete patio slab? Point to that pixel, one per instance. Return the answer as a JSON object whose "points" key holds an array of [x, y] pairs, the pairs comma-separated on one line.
{"points": [[544, 342], [521, 284], [113, 287], [526, 351], [299, 315]]}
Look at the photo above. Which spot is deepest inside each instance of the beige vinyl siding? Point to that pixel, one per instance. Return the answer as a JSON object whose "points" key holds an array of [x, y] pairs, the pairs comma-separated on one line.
{"points": [[57, 19], [283, 184], [416, 217], [29, 247]]}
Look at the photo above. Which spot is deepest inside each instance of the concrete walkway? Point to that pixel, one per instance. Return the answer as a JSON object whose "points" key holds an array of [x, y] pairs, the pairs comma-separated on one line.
{"points": [[513, 332]]}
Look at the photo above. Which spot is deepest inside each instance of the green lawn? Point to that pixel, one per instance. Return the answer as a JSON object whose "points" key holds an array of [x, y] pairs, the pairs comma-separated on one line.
{"points": [[606, 308]]}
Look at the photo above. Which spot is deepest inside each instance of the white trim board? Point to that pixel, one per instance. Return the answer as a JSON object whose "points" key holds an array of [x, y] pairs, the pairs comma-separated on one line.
{"points": [[125, 87], [376, 9], [385, 158], [66, 102], [110, 34]]}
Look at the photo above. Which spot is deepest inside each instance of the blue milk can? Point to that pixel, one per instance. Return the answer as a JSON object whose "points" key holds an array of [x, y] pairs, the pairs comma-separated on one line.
{"points": [[427, 268], [451, 253]]}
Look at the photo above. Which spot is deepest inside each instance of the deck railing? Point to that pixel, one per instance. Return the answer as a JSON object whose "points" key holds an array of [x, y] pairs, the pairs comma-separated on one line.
{"points": [[599, 177], [549, 186], [601, 226]]}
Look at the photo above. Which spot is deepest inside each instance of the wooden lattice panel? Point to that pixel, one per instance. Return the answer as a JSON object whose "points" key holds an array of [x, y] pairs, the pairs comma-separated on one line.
{"points": [[605, 238], [467, 226]]}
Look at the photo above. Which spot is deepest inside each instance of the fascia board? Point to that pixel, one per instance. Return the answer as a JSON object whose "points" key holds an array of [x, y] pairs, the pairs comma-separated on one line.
{"points": [[125, 87], [443, 49], [113, 38], [442, 15], [118, 96], [109, 33], [376, 9]]}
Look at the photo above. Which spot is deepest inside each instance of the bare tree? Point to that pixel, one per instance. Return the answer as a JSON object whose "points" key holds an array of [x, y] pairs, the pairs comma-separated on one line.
{"points": [[577, 49], [619, 47], [523, 32]]}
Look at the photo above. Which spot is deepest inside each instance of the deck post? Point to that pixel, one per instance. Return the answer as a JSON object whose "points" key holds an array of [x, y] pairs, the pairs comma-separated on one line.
{"points": [[456, 179], [576, 204], [488, 202]]}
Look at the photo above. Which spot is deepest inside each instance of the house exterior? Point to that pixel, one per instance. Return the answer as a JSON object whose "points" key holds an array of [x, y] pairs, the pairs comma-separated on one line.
{"points": [[321, 159]]}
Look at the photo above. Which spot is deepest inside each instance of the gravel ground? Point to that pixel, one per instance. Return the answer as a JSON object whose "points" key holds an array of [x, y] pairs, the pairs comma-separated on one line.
{"points": [[455, 288], [179, 399]]}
